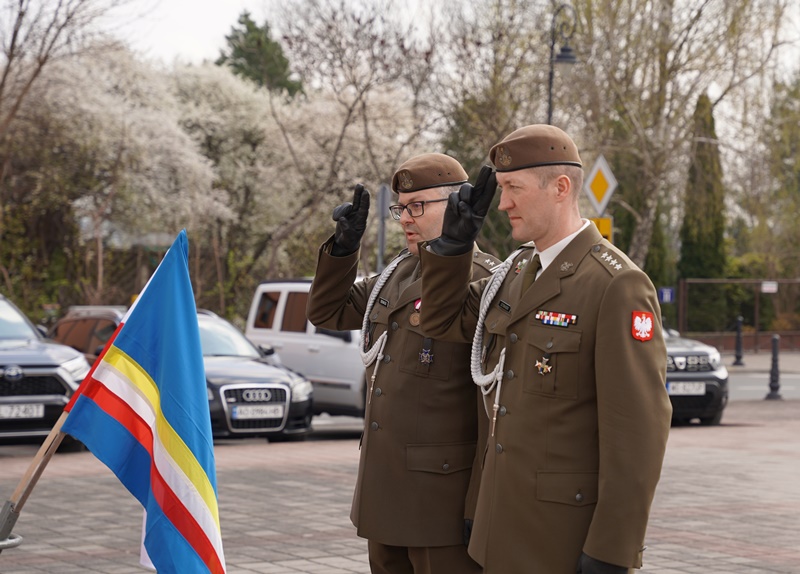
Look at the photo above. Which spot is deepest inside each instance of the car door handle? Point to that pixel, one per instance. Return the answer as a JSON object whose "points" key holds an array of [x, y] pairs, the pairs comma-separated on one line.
{"points": [[313, 348]]}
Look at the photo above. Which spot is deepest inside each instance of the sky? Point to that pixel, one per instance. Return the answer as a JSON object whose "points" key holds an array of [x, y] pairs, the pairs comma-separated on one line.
{"points": [[188, 30], [194, 30]]}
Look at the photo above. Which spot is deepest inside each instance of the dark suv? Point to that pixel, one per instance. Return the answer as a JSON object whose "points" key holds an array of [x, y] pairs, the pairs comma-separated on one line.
{"points": [[249, 393], [37, 376], [697, 381]]}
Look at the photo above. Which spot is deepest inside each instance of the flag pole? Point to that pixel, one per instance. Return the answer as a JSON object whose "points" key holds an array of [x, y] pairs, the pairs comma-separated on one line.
{"points": [[13, 506]]}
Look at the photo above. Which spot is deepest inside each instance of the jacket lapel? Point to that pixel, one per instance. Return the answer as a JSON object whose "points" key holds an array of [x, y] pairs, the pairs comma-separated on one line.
{"points": [[548, 285]]}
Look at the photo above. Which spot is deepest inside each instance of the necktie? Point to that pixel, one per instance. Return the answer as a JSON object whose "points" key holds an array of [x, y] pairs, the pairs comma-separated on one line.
{"points": [[531, 269]]}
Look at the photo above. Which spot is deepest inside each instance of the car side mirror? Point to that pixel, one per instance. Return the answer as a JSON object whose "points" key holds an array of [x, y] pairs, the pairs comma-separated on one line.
{"points": [[266, 350]]}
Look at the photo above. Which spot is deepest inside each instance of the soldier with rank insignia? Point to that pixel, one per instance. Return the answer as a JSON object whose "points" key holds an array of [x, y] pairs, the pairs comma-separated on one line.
{"points": [[416, 491], [569, 352]]}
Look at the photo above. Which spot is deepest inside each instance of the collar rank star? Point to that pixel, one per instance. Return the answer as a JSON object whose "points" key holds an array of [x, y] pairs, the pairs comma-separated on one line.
{"points": [[555, 318], [642, 325], [543, 367]]}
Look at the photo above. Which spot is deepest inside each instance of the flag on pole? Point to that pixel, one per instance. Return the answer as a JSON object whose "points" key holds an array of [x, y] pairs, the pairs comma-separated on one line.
{"points": [[143, 411]]}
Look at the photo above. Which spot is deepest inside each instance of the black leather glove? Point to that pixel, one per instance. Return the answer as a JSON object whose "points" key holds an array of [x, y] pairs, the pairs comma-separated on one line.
{"points": [[464, 215], [467, 531], [351, 222], [589, 565]]}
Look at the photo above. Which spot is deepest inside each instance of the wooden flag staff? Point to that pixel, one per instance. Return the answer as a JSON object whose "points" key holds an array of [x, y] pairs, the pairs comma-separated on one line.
{"points": [[13, 506]]}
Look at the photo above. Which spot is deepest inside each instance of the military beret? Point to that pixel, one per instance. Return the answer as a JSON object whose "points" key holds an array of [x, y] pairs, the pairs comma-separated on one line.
{"points": [[426, 171], [533, 146]]}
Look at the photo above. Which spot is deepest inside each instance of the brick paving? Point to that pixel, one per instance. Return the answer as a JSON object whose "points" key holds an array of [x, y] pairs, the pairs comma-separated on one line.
{"points": [[728, 502]]}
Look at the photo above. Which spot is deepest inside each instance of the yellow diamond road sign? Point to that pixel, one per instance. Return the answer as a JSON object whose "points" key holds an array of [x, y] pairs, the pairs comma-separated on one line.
{"points": [[599, 186]]}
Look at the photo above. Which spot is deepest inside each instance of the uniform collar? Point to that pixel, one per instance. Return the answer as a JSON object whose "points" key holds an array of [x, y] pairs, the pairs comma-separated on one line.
{"points": [[549, 255]]}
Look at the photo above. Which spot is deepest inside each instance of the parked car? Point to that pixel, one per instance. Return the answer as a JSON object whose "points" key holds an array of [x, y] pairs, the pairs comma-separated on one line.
{"points": [[697, 381], [249, 393], [329, 359], [37, 377]]}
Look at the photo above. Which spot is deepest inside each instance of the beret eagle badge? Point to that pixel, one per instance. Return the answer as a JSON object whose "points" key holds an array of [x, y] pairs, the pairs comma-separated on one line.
{"points": [[503, 157], [405, 179]]}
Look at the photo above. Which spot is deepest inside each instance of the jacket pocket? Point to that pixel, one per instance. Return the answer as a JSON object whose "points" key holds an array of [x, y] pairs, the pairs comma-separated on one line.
{"points": [[440, 458], [572, 488], [552, 361]]}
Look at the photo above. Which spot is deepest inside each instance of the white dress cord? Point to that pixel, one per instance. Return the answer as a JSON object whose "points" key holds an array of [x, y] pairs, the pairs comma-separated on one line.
{"points": [[375, 354], [494, 378]]}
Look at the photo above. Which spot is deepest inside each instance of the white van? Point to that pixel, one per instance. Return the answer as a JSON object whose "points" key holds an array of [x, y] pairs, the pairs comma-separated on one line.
{"points": [[329, 359]]}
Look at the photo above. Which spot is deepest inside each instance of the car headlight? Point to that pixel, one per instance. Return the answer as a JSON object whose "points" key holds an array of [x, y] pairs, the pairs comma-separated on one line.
{"points": [[301, 390], [77, 368], [714, 359]]}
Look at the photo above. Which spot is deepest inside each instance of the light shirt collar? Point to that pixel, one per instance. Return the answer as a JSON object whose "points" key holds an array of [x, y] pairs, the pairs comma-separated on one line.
{"points": [[549, 255]]}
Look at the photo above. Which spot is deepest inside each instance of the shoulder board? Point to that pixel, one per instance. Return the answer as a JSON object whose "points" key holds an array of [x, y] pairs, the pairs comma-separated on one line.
{"points": [[485, 260], [611, 258]]}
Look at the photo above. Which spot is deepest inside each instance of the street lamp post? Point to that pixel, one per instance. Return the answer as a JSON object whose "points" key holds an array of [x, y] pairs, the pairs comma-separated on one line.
{"points": [[562, 31]]}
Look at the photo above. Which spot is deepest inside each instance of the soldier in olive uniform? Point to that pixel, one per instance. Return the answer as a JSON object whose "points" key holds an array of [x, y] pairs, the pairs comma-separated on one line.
{"points": [[569, 351], [415, 494]]}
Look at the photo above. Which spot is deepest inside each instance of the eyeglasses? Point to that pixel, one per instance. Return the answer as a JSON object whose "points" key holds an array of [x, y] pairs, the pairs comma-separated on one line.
{"points": [[414, 209]]}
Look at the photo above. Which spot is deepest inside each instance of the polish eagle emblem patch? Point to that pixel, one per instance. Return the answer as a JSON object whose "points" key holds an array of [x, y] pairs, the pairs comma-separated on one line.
{"points": [[642, 325]]}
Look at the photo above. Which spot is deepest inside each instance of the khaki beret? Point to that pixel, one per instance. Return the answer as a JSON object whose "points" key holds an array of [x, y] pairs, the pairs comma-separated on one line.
{"points": [[533, 146], [426, 171]]}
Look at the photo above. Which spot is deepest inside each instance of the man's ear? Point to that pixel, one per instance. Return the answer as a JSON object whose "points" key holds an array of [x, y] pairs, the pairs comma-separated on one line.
{"points": [[563, 187]]}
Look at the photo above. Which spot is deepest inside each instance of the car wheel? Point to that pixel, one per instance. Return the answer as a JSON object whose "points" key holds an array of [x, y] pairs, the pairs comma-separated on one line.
{"points": [[712, 421]]}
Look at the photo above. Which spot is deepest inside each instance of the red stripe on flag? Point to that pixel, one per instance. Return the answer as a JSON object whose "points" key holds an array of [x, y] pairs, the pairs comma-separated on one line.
{"points": [[185, 523], [122, 412], [90, 375], [170, 504]]}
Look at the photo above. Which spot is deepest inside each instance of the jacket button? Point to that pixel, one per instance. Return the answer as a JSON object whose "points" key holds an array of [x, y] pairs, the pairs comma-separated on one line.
{"points": [[387, 358], [445, 466], [374, 316], [579, 497], [502, 412], [549, 344], [394, 326], [374, 426], [509, 374], [498, 448], [378, 392], [596, 248], [514, 338]]}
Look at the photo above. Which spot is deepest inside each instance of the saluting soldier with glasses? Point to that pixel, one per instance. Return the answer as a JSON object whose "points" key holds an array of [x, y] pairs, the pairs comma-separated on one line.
{"points": [[416, 490]]}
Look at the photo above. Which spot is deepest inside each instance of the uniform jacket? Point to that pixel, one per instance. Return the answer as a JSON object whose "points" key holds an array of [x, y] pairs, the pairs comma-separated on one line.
{"points": [[421, 421], [577, 447]]}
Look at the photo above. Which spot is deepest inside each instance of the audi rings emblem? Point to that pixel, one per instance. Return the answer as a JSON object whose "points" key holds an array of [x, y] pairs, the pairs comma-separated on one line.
{"points": [[13, 373], [257, 395]]}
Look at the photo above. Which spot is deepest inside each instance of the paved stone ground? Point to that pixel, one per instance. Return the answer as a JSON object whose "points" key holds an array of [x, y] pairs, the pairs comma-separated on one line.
{"points": [[728, 503]]}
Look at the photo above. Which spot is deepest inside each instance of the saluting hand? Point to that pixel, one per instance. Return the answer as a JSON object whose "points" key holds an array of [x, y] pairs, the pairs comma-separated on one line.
{"points": [[351, 222], [464, 215]]}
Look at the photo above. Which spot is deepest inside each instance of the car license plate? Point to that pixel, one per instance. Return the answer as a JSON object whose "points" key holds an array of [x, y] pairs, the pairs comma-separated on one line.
{"points": [[32, 411], [686, 388], [257, 412]]}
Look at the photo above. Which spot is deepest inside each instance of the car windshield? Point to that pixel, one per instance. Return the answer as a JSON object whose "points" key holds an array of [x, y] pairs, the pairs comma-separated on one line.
{"points": [[13, 325], [218, 338]]}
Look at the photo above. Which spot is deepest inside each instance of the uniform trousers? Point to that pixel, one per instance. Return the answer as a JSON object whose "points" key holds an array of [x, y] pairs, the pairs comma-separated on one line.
{"points": [[384, 559]]}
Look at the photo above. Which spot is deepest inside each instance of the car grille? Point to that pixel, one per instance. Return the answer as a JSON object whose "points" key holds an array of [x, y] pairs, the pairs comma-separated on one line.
{"points": [[693, 364], [32, 385], [234, 396]]}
